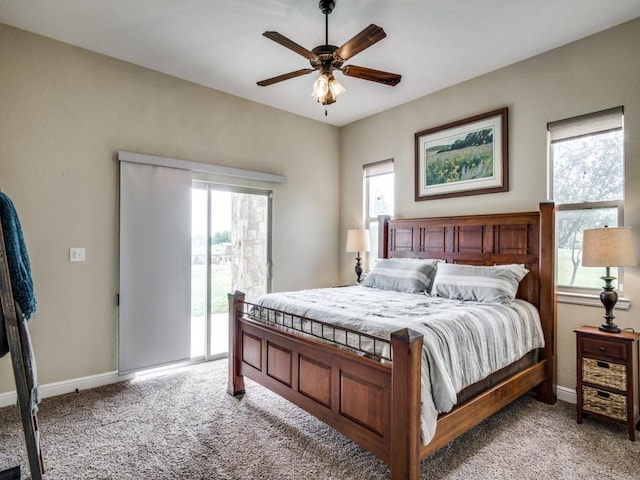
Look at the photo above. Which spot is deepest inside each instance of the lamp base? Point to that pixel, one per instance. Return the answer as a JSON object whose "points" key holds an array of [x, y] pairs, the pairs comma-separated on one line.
{"points": [[609, 298], [609, 327], [358, 268]]}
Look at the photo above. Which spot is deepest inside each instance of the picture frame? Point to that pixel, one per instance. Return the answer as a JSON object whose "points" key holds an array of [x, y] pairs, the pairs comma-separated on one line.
{"points": [[464, 157]]}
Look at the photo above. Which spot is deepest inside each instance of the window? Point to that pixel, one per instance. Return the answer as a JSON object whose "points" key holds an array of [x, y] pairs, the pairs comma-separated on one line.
{"points": [[587, 183], [378, 199]]}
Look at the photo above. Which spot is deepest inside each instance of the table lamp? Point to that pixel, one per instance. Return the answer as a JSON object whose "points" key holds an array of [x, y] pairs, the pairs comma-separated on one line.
{"points": [[358, 241], [608, 247]]}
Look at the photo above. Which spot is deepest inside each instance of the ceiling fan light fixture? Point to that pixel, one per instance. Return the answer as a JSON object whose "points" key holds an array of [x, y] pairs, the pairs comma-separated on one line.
{"points": [[326, 89], [327, 58], [336, 87]]}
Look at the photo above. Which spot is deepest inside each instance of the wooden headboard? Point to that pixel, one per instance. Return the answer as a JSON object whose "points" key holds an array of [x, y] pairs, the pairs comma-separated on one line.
{"points": [[496, 239]]}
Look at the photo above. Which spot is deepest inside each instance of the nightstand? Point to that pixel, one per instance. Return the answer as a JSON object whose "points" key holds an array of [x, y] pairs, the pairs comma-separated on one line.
{"points": [[607, 376]]}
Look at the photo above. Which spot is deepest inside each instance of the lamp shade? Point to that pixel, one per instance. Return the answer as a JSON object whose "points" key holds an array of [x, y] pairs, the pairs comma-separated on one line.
{"points": [[358, 240], [608, 247]]}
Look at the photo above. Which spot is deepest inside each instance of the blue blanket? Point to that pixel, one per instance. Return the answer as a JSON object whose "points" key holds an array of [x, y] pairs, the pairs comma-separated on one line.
{"points": [[19, 266], [17, 257]]}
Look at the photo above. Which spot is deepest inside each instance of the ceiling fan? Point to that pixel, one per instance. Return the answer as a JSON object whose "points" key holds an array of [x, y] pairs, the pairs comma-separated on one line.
{"points": [[327, 58]]}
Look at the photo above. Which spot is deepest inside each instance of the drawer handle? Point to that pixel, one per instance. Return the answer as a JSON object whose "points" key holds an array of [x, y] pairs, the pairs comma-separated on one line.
{"points": [[602, 394], [601, 348], [602, 364]]}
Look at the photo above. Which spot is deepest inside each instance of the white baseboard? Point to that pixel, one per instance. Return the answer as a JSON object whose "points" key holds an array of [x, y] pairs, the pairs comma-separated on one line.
{"points": [[84, 383], [68, 386], [567, 395]]}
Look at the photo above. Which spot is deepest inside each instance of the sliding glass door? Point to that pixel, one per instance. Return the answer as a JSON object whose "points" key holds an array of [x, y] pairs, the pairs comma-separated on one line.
{"points": [[231, 250]]}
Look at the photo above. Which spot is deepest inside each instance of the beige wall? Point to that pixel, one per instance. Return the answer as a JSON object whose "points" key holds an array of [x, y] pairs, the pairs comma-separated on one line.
{"points": [[595, 73], [64, 114]]}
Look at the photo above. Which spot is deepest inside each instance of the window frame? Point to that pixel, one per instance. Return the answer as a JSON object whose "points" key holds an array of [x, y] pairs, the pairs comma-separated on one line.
{"points": [[581, 295], [372, 170], [586, 295]]}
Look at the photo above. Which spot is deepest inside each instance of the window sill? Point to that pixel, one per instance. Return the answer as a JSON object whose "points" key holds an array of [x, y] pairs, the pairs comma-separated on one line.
{"points": [[590, 300]]}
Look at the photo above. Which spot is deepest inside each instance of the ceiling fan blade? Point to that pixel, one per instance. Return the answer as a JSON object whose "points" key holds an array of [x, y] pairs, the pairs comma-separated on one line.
{"points": [[391, 79], [284, 76], [290, 44], [362, 40]]}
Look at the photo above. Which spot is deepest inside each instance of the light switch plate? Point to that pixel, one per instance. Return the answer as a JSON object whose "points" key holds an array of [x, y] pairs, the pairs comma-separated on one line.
{"points": [[76, 254]]}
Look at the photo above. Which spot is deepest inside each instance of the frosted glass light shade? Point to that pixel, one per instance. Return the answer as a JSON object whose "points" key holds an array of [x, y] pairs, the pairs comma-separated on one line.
{"points": [[326, 89]]}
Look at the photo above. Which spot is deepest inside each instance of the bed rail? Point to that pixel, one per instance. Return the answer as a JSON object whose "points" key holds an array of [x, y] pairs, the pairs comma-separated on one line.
{"points": [[370, 346]]}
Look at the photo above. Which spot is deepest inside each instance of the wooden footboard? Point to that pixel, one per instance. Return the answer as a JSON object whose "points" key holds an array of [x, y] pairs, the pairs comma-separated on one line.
{"points": [[375, 404]]}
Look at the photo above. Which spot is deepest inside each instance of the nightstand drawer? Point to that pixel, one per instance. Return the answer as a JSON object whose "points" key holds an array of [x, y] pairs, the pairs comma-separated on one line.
{"points": [[603, 373], [600, 347], [605, 403]]}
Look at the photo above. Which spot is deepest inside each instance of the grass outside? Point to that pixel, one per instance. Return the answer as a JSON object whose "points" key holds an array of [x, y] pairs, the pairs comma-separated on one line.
{"points": [[220, 287], [588, 277]]}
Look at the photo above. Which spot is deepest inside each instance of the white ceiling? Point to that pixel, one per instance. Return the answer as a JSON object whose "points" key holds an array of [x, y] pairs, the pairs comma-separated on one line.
{"points": [[431, 43]]}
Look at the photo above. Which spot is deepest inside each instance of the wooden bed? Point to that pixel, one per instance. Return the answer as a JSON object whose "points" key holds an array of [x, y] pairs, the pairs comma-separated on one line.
{"points": [[377, 404]]}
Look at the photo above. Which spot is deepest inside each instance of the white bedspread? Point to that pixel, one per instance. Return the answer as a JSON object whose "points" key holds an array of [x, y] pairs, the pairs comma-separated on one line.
{"points": [[464, 342]]}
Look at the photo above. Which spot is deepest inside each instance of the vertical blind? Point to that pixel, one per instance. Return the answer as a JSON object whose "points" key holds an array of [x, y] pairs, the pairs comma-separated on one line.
{"points": [[155, 266]]}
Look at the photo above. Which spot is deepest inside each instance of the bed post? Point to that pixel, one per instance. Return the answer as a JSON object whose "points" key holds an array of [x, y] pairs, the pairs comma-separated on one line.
{"points": [[236, 380], [383, 236], [548, 309], [406, 346]]}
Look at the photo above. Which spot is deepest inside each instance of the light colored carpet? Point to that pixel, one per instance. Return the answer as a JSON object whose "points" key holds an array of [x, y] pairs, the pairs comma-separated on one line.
{"points": [[183, 425]]}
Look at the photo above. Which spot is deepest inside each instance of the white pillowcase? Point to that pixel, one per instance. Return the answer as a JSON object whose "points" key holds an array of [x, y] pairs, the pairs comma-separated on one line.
{"points": [[402, 274], [496, 284]]}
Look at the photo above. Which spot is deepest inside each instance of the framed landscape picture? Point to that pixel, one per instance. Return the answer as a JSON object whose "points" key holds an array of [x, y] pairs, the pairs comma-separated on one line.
{"points": [[465, 157]]}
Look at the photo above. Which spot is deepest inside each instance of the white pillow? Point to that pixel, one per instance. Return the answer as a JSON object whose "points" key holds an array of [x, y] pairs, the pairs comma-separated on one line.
{"points": [[402, 274], [496, 284]]}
